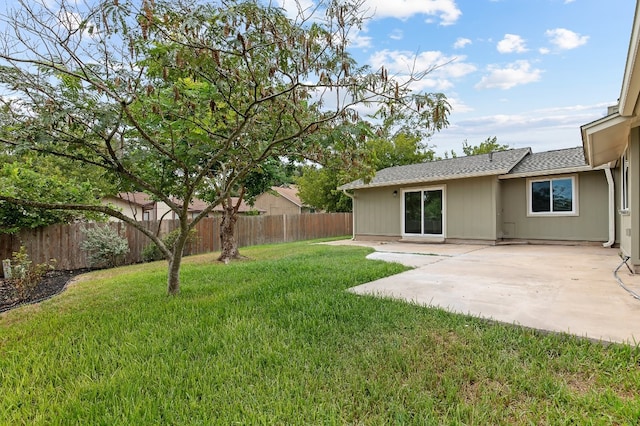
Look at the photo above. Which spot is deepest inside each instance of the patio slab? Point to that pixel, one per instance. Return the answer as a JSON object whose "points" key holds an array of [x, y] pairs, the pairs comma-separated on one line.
{"points": [[570, 289]]}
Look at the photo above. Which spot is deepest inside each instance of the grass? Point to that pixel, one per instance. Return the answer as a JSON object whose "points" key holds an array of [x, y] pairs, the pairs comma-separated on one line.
{"points": [[277, 340]]}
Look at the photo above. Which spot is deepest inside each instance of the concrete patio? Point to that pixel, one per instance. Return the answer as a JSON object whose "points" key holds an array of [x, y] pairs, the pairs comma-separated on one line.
{"points": [[569, 289]]}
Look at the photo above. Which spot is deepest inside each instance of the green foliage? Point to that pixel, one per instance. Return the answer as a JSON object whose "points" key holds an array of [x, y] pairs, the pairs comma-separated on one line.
{"points": [[279, 340], [317, 188], [25, 274], [402, 149], [318, 185], [489, 145], [104, 246], [45, 179], [152, 253]]}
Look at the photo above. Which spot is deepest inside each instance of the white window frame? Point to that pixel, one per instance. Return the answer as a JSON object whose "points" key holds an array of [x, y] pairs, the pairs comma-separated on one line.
{"points": [[551, 213], [624, 182], [442, 188]]}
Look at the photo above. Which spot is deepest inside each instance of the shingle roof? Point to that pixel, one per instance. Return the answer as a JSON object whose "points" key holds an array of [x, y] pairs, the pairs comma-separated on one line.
{"points": [[139, 198], [569, 158], [289, 192], [497, 163]]}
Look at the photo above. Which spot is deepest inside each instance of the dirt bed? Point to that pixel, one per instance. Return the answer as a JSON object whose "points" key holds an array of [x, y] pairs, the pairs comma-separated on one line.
{"points": [[52, 283]]}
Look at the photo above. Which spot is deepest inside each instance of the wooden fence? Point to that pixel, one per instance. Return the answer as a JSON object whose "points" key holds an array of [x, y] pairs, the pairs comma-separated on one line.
{"points": [[62, 242]]}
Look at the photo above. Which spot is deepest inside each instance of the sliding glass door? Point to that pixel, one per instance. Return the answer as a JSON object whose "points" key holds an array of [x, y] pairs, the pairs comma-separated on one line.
{"points": [[423, 214]]}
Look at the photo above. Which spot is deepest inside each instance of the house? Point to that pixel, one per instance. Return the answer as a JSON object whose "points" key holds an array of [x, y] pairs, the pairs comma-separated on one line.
{"points": [[281, 200], [140, 206], [136, 205], [508, 195], [614, 142]]}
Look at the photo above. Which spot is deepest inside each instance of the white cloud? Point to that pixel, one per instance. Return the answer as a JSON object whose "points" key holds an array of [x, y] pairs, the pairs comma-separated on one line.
{"points": [[396, 35], [541, 129], [461, 43], [458, 105], [544, 51], [296, 8], [405, 62], [566, 39], [359, 39], [442, 69], [514, 74], [512, 43], [446, 10]]}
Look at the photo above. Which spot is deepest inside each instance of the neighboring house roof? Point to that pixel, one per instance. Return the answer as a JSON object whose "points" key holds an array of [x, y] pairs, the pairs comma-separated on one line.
{"points": [[550, 162], [196, 206], [138, 198], [290, 193], [244, 207], [496, 163]]}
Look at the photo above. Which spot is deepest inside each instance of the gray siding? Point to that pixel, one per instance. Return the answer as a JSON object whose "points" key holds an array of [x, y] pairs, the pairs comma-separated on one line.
{"points": [[630, 222], [590, 225], [377, 212], [471, 208]]}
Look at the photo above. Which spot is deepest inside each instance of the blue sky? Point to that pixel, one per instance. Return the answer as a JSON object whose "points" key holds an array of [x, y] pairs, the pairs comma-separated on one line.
{"points": [[529, 72]]}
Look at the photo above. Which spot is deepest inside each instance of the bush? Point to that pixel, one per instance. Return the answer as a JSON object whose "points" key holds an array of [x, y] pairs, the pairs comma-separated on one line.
{"points": [[152, 252], [104, 246], [25, 275]]}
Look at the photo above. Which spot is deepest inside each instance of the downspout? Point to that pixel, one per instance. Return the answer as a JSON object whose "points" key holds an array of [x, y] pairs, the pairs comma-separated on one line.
{"points": [[612, 208], [353, 214]]}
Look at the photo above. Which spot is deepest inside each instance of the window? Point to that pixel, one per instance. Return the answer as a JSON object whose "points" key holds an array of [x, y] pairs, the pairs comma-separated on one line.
{"points": [[146, 215], [553, 197], [423, 212], [624, 182]]}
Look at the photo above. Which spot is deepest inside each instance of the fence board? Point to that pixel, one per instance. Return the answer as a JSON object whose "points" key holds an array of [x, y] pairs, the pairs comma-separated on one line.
{"points": [[62, 242]]}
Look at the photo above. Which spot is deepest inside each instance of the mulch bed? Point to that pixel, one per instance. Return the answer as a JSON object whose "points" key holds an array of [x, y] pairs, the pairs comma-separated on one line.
{"points": [[51, 284]]}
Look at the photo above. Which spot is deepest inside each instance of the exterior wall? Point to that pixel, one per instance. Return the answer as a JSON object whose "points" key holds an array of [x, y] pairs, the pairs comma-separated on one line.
{"points": [[275, 205], [131, 210], [470, 210], [591, 224], [377, 212], [630, 222], [617, 179]]}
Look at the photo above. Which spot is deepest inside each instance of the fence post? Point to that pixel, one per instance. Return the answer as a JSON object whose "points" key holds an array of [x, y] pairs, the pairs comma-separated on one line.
{"points": [[6, 268], [284, 228]]}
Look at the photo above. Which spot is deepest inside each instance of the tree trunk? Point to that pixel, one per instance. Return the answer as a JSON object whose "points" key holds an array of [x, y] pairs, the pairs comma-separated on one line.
{"points": [[229, 244], [173, 278]]}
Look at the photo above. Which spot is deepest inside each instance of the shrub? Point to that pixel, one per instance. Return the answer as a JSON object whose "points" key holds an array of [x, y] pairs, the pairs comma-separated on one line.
{"points": [[104, 246], [25, 275], [152, 252]]}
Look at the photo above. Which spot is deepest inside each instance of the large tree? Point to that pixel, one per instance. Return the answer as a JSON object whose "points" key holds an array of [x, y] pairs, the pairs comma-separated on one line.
{"points": [[373, 147], [182, 99], [488, 145]]}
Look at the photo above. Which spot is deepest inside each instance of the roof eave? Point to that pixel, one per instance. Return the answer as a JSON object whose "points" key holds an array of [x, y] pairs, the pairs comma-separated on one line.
{"points": [[349, 187], [631, 80], [560, 171], [605, 140]]}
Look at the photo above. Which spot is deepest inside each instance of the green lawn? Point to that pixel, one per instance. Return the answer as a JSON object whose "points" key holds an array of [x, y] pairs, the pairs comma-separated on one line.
{"points": [[277, 340]]}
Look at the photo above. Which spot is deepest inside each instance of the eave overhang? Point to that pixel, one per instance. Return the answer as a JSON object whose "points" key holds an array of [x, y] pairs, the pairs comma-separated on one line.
{"points": [[549, 172], [606, 139]]}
